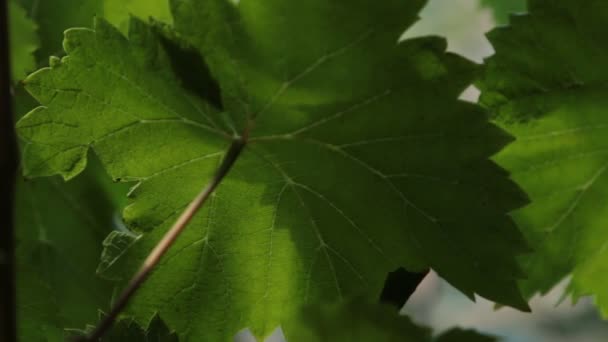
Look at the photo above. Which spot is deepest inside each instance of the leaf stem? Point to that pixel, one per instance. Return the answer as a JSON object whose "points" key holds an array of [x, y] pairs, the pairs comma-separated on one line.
{"points": [[169, 238]]}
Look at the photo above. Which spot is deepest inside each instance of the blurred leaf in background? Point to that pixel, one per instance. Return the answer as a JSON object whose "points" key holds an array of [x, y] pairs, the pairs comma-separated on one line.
{"points": [[464, 335], [357, 320], [128, 330], [118, 11], [55, 16], [60, 227], [24, 41], [503, 8]]}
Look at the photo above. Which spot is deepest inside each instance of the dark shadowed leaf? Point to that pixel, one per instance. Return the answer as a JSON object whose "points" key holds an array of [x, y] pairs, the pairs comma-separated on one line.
{"points": [[360, 159]]}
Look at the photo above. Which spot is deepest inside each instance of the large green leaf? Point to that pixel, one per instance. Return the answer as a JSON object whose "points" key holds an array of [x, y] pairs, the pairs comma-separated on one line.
{"points": [[313, 85], [60, 228], [546, 85], [359, 160], [24, 41]]}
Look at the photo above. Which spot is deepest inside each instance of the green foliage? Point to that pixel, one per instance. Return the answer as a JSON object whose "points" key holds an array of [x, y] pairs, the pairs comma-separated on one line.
{"points": [[117, 11], [23, 41], [464, 335], [356, 321], [60, 228], [503, 8], [54, 17], [359, 321], [127, 330], [360, 159], [546, 85]]}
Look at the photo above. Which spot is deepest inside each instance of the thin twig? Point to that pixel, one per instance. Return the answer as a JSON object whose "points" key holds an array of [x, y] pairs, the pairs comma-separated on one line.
{"points": [[8, 171], [167, 240]]}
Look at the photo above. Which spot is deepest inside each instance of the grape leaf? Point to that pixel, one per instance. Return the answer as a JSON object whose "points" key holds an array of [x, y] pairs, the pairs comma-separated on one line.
{"points": [[24, 41], [357, 320], [359, 160], [550, 93], [329, 83], [59, 232]]}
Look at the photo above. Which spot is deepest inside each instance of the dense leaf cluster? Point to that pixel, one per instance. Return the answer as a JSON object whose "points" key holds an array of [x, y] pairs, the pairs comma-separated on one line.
{"points": [[359, 160]]}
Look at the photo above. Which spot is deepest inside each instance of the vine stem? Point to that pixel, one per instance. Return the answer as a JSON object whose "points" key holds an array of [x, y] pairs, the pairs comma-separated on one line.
{"points": [[169, 238]]}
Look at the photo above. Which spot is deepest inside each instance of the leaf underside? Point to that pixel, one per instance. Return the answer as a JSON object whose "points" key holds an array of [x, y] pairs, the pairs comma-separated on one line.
{"points": [[360, 159]]}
